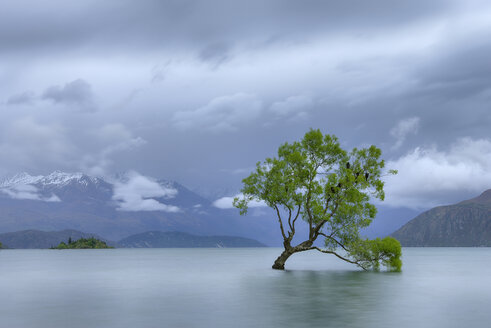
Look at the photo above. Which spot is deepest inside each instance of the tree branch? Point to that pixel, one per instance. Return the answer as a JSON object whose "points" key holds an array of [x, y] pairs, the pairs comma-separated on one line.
{"points": [[327, 205], [289, 218], [339, 256], [335, 240], [296, 216], [318, 228], [281, 223], [309, 213]]}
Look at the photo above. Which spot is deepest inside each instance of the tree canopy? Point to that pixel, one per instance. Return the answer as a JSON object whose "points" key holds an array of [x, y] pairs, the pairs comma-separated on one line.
{"points": [[330, 189], [82, 243]]}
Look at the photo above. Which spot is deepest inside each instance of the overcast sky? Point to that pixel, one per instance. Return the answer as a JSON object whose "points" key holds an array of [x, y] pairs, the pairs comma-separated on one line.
{"points": [[199, 91]]}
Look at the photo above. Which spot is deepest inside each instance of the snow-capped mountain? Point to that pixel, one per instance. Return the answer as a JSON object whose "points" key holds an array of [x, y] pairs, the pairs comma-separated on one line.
{"points": [[56, 178], [54, 187], [119, 187], [19, 179], [115, 206], [59, 179]]}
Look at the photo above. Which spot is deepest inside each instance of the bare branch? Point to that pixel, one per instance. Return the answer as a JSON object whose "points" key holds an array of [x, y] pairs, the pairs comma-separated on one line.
{"points": [[296, 216], [309, 213], [290, 218], [339, 256], [279, 220]]}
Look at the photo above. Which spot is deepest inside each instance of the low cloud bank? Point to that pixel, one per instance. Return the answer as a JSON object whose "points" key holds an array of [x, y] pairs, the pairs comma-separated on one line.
{"points": [[28, 192], [429, 177], [138, 193], [227, 202]]}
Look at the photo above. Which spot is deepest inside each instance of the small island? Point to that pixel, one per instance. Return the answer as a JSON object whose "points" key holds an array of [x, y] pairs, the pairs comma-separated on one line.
{"points": [[83, 243]]}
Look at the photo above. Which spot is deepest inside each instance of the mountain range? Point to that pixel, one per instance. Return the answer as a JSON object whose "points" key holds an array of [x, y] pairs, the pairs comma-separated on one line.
{"points": [[126, 204], [43, 239], [117, 207], [467, 223], [32, 239]]}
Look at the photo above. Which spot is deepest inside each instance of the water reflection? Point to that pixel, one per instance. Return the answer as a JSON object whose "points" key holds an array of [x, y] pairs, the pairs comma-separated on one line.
{"points": [[237, 288], [320, 298]]}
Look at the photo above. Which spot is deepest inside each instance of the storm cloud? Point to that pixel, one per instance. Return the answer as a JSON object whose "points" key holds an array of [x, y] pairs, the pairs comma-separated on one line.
{"points": [[197, 91], [77, 93]]}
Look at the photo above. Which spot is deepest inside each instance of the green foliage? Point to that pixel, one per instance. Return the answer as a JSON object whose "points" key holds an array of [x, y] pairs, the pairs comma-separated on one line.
{"points": [[371, 253], [83, 243], [327, 187], [1, 246]]}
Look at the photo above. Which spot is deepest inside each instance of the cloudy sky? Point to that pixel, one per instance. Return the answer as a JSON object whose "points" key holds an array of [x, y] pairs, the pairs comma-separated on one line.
{"points": [[199, 91]]}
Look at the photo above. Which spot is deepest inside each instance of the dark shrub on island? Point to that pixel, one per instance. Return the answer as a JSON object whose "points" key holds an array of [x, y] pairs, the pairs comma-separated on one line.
{"points": [[82, 243]]}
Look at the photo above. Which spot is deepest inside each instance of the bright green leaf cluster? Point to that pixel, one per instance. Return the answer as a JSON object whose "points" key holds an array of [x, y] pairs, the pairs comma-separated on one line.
{"points": [[370, 254]]}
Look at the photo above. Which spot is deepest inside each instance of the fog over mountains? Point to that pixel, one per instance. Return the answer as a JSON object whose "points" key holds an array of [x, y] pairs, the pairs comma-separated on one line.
{"points": [[193, 90], [128, 203], [116, 207]]}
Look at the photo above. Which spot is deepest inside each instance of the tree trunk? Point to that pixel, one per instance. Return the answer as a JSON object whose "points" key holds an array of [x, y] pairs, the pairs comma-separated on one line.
{"points": [[279, 264]]}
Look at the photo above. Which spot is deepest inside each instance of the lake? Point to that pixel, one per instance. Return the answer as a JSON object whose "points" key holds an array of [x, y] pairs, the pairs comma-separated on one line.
{"points": [[439, 287]]}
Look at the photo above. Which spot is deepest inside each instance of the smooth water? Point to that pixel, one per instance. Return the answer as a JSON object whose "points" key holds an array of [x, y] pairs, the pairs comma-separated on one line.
{"points": [[439, 287]]}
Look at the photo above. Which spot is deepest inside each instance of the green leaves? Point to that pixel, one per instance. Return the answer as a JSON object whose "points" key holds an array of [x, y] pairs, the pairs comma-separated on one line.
{"points": [[331, 189], [370, 254], [83, 243]]}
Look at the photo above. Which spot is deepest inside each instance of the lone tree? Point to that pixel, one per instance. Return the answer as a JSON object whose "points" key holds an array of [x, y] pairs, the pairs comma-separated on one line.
{"points": [[330, 189]]}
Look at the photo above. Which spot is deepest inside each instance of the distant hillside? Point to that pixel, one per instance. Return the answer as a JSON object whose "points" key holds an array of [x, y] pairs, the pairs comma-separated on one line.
{"points": [[77, 201], [151, 239], [158, 239], [106, 206], [42, 239], [467, 223]]}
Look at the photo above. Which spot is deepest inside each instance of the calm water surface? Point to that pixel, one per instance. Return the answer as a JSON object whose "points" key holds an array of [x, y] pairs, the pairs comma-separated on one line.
{"points": [[439, 287]]}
